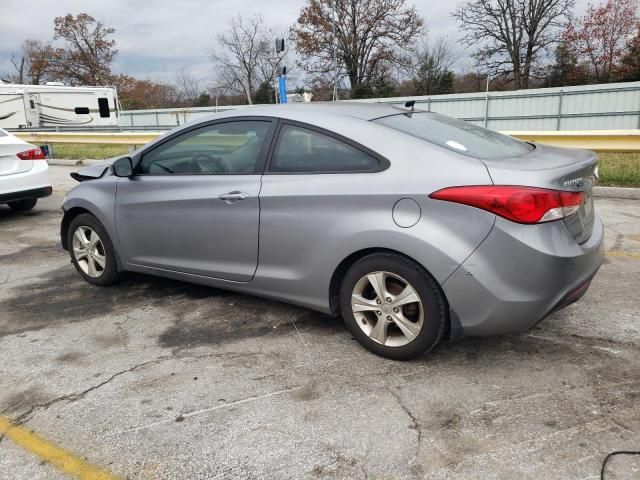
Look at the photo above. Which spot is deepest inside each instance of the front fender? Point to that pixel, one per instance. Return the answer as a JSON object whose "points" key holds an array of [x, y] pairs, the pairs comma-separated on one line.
{"points": [[97, 198]]}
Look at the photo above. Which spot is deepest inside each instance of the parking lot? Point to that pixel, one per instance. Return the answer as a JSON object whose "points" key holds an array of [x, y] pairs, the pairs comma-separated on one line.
{"points": [[155, 378]]}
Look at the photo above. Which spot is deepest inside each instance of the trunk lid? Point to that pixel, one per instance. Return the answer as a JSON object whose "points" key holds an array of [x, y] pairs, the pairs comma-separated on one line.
{"points": [[558, 169], [9, 162]]}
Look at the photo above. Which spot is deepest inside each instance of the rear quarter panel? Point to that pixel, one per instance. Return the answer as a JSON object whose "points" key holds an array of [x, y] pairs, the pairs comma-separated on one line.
{"points": [[309, 223]]}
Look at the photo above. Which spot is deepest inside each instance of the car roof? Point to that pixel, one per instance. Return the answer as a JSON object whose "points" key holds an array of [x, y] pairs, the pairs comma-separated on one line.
{"points": [[315, 113], [360, 110]]}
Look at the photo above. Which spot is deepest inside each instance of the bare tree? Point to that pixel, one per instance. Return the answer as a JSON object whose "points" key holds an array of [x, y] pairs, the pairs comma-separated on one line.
{"points": [[370, 37], [432, 72], [245, 56], [30, 63], [512, 34], [188, 86], [18, 76], [469, 81]]}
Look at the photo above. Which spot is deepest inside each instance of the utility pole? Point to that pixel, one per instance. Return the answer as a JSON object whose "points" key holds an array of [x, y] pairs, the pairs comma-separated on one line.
{"points": [[486, 102], [335, 58], [282, 84], [282, 72]]}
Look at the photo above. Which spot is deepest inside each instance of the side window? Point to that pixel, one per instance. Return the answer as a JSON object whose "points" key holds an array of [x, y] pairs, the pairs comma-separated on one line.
{"points": [[103, 107], [300, 150], [231, 148]]}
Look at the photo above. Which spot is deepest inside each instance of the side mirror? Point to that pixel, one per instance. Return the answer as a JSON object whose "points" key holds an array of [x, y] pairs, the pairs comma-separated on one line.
{"points": [[123, 167]]}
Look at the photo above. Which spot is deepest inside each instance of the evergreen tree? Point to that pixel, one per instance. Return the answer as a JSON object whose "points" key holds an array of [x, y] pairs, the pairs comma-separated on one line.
{"points": [[565, 70], [431, 79], [265, 93]]}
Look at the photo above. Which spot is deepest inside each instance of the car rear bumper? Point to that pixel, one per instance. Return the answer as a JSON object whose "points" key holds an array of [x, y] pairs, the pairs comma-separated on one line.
{"points": [[34, 183], [519, 275], [26, 194]]}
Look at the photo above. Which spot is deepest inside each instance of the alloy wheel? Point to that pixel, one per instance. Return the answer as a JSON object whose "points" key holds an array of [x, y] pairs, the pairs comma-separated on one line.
{"points": [[387, 308], [89, 251]]}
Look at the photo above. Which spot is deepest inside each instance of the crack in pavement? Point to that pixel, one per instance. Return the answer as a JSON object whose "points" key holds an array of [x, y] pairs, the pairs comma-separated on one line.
{"points": [[72, 397], [587, 341], [202, 411], [416, 424]]}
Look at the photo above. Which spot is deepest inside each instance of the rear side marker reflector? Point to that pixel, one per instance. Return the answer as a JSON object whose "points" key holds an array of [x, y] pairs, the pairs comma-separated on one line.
{"points": [[519, 204], [33, 154]]}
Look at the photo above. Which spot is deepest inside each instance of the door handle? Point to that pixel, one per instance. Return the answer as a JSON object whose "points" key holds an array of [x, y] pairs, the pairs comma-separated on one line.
{"points": [[233, 197]]}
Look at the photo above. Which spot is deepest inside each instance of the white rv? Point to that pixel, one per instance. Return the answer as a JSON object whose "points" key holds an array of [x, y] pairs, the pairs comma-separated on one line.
{"points": [[56, 105]]}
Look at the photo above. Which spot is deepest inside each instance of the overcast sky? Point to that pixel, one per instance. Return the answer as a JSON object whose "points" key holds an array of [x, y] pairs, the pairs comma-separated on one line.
{"points": [[157, 38]]}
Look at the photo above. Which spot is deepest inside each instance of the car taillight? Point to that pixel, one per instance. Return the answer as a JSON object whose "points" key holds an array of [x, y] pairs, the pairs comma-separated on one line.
{"points": [[518, 204], [33, 154]]}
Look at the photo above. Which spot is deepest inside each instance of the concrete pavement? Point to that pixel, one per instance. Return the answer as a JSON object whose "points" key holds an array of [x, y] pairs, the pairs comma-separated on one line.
{"points": [[154, 378]]}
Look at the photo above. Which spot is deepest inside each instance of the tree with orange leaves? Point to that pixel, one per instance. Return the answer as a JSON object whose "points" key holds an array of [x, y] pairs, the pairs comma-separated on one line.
{"points": [[600, 39]]}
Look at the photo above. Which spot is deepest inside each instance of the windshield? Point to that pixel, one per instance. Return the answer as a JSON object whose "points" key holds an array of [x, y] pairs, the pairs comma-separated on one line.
{"points": [[3, 133], [456, 135]]}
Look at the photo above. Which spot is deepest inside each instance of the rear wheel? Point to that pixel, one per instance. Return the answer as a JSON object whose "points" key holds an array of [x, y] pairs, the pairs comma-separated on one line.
{"points": [[92, 251], [392, 306], [23, 205]]}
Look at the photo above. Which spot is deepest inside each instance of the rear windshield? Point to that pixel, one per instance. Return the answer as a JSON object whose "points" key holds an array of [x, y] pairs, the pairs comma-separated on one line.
{"points": [[456, 135]]}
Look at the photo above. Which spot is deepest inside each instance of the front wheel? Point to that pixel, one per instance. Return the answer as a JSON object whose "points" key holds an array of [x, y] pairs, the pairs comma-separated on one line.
{"points": [[392, 306], [92, 251]]}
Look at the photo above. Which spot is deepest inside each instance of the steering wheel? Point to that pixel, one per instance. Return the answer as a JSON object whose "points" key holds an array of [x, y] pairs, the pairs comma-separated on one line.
{"points": [[221, 163]]}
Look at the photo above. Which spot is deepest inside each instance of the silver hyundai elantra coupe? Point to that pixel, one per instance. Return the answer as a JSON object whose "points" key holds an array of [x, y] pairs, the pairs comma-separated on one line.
{"points": [[415, 227]]}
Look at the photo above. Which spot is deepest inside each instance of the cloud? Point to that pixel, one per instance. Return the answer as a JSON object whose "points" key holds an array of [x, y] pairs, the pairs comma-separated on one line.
{"points": [[155, 38]]}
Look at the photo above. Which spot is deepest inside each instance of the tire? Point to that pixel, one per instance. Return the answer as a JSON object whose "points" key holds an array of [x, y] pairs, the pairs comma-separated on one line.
{"points": [[23, 205], [84, 254], [412, 328]]}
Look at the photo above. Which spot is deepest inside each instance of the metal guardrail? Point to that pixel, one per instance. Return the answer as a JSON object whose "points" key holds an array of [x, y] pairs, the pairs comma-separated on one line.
{"points": [[104, 138], [599, 140], [80, 128]]}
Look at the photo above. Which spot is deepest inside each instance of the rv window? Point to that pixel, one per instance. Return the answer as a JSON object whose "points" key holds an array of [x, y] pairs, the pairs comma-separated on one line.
{"points": [[103, 105], [82, 111], [32, 104]]}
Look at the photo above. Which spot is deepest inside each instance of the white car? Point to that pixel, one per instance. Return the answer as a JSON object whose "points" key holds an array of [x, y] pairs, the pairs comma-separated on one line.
{"points": [[24, 173]]}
